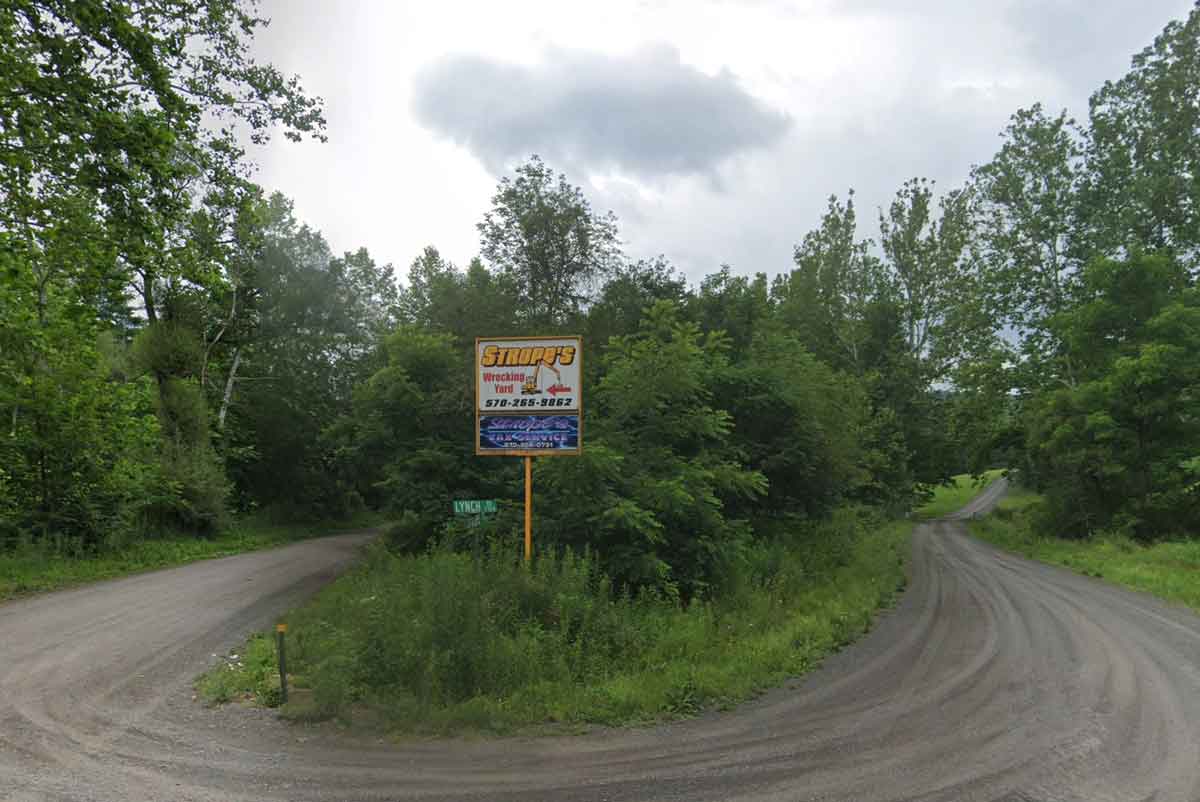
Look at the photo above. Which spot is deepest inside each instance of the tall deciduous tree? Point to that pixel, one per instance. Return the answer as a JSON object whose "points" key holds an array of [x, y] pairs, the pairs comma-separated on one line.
{"points": [[1029, 223], [541, 231], [622, 301], [736, 305], [826, 297], [123, 114], [466, 304], [1143, 187], [931, 272], [315, 326], [1114, 450]]}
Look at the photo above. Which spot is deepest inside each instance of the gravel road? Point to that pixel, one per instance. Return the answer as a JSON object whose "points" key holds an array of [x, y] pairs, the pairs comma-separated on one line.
{"points": [[994, 679]]}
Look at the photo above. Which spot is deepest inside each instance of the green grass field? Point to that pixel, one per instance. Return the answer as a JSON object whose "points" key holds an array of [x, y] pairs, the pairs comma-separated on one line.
{"points": [[446, 643], [1169, 569], [949, 498], [36, 570]]}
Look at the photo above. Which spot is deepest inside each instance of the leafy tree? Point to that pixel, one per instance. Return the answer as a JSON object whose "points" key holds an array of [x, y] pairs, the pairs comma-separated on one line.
{"points": [[170, 353], [651, 489], [897, 323], [107, 135], [114, 98], [798, 423], [408, 442], [622, 301], [826, 298], [1028, 220], [621, 305], [931, 273], [82, 471], [119, 157], [542, 233], [434, 294], [1032, 246], [1113, 450], [907, 440], [467, 304], [735, 305], [984, 415], [1144, 154], [316, 322]]}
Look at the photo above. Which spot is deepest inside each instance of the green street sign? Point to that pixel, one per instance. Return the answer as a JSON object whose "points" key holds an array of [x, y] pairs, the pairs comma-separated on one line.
{"points": [[474, 506]]}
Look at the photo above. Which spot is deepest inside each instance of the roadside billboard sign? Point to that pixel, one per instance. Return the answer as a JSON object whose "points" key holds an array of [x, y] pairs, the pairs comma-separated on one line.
{"points": [[528, 396]]}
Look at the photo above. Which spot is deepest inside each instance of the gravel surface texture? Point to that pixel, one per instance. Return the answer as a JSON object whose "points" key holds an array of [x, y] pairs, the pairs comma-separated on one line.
{"points": [[994, 678]]}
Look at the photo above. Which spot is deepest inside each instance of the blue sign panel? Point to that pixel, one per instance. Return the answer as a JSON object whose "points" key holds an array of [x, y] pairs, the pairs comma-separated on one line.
{"points": [[546, 433]]}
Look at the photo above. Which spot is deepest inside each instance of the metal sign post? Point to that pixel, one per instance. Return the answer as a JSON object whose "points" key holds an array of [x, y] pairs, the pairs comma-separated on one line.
{"points": [[528, 403]]}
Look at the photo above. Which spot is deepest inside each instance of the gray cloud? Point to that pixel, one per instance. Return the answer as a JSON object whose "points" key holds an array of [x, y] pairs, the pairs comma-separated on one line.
{"points": [[1086, 42], [646, 114], [781, 194]]}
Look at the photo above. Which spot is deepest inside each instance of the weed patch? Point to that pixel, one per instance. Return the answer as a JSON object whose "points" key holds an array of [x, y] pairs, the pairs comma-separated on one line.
{"points": [[245, 675], [449, 642]]}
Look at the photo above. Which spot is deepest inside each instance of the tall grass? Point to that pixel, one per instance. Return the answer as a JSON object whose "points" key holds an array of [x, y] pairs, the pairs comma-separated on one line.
{"points": [[448, 642], [1169, 569]]}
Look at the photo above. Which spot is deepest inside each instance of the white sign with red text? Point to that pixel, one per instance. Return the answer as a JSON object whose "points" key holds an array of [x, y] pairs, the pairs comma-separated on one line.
{"points": [[528, 375]]}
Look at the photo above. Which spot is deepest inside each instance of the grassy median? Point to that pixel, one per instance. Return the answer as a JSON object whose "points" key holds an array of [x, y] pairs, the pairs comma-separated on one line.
{"points": [[446, 642]]}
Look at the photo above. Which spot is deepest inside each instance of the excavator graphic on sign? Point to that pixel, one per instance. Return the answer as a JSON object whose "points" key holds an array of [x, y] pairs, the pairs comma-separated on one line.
{"points": [[531, 386]]}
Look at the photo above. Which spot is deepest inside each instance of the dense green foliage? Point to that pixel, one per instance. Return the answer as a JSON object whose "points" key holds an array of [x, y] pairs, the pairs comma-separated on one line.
{"points": [[126, 230], [1088, 236], [445, 641], [1111, 449]]}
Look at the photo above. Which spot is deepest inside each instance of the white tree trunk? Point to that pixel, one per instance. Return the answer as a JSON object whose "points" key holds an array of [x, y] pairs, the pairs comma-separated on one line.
{"points": [[237, 357]]}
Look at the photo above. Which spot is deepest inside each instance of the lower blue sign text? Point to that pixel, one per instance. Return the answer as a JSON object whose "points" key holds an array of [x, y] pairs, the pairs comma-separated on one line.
{"points": [[529, 432]]}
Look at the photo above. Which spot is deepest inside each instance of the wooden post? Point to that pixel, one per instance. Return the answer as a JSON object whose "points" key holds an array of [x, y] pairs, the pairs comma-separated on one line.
{"points": [[528, 508], [280, 637]]}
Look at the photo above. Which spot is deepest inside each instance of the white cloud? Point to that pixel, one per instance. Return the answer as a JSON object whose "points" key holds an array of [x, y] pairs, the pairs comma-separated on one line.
{"points": [[876, 91]]}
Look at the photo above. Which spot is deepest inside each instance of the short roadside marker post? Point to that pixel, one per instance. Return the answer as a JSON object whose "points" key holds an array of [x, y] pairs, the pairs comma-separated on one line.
{"points": [[280, 632]]}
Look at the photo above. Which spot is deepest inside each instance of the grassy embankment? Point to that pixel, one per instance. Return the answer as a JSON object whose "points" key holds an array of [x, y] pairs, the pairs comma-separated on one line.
{"points": [[950, 498], [1168, 569], [445, 642], [34, 569]]}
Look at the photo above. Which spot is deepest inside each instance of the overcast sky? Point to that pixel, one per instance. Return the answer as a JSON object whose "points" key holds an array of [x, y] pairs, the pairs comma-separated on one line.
{"points": [[715, 130]]}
